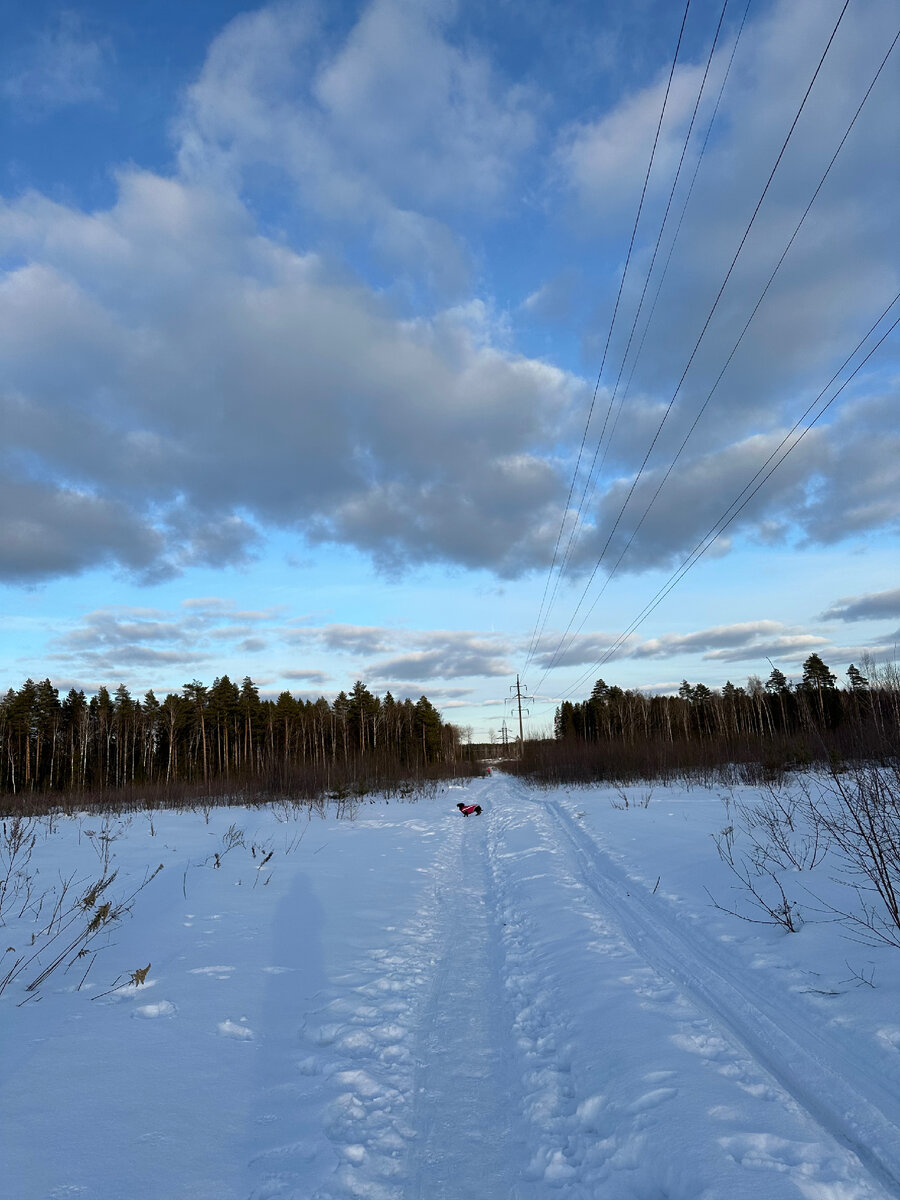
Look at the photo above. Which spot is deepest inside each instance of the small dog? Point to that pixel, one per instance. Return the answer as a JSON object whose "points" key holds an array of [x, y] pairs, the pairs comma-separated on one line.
{"points": [[468, 809]]}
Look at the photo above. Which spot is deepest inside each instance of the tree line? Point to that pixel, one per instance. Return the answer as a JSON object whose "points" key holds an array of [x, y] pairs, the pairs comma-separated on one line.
{"points": [[211, 735], [773, 724]]}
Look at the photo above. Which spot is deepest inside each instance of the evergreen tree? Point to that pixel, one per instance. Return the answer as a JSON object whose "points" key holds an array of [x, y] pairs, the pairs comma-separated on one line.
{"points": [[248, 703], [361, 709], [197, 696], [858, 681], [777, 683], [150, 733], [564, 720], [428, 726], [816, 675]]}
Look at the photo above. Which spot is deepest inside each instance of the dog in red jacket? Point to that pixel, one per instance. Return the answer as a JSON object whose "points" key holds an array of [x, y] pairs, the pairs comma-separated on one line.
{"points": [[468, 809]]}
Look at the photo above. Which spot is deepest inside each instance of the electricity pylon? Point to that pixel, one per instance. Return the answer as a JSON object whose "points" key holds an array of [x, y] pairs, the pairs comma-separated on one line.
{"points": [[520, 695]]}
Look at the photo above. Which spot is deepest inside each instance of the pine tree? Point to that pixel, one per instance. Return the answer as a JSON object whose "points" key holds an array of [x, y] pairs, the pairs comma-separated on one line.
{"points": [[428, 726], [816, 675], [858, 681], [197, 695], [777, 682]]}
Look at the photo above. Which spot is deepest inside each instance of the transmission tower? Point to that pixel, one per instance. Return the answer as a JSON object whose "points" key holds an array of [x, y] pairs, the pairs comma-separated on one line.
{"points": [[518, 695]]}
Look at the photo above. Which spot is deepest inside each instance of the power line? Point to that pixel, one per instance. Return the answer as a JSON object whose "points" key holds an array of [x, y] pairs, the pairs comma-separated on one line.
{"points": [[684, 208], [734, 348], [744, 497], [613, 320], [573, 533], [702, 334]]}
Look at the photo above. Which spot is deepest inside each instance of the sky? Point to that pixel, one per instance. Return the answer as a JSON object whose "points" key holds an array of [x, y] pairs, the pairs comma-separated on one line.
{"points": [[356, 341]]}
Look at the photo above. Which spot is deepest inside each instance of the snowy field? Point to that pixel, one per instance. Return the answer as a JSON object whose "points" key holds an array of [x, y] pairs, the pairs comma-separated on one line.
{"points": [[538, 1002]]}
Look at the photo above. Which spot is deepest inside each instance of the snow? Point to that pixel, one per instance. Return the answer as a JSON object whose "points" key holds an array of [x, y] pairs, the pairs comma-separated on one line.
{"points": [[538, 1002]]}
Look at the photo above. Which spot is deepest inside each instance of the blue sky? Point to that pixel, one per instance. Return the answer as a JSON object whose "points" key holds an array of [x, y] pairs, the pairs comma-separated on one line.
{"points": [[304, 305]]}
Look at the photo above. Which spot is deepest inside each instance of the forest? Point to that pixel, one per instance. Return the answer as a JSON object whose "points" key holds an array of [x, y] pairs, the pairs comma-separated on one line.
{"points": [[753, 731], [223, 737]]}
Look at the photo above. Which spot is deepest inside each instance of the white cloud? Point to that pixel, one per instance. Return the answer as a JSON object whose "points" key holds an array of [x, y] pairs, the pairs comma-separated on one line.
{"points": [[839, 273], [394, 128], [747, 641], [603, 162], [242, 385], [869, 606], [185, 382], [62, 66], [578, 649], [121, 641], [413, 654], [713, 640]]}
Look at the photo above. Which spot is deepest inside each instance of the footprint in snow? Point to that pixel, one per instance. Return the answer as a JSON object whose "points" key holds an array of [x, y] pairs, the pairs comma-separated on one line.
{"points": [[766, 1151], [889, 1038], [652, 1099], [128, 991], [230, 1029], [164, 1008], [215, 972]]}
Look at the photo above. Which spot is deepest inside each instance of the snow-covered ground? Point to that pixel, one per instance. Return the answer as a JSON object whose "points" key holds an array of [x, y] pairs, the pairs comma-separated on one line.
{"points": [[541, 1001]]}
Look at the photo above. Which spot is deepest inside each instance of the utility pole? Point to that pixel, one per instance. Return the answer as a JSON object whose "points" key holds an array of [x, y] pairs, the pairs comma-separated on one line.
{"points": [[520, 695]]}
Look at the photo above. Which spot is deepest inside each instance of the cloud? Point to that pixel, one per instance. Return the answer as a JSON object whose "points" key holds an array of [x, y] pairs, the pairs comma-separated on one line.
{"points": [[446, 654], [348, 639], [790, 648], [132, 642], [417, 654], [579, 649], [56, 530], [220, 606], [820, 303], [319, 678], [180, 375], [714, 640], [748, 641], [406, 439], [62, 66], [659, 520], [604, 161], [122, 639], [122, 626], [869, 606], [450, 661], [333, 116], [553, 302], [743, 642], [855, 487], [447, 698]]}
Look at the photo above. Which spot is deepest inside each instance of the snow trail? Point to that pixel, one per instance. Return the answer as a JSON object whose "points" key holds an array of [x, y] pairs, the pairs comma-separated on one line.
{"points": [[848, 1102], [468, 1134], [418, 1005], [633, 1088]]}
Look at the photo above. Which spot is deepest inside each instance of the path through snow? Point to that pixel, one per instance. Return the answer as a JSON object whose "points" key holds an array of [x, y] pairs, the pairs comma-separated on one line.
{"points": [[427, 1007], [567, 1040]]}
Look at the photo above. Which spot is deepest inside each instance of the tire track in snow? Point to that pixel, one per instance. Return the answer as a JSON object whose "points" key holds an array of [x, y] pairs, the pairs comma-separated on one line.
{"points": [[468, 1123], [590, 1120], [357, 1065], [848, 1104]]}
